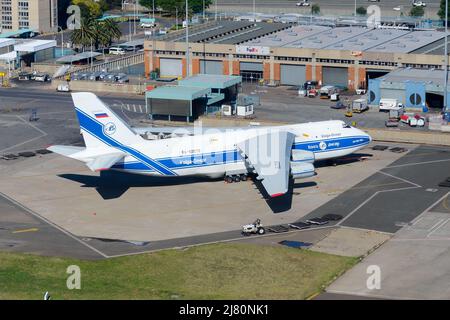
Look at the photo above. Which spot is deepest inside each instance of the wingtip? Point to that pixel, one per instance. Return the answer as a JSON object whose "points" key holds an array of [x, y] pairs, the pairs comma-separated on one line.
{"points": [[277, 194]]}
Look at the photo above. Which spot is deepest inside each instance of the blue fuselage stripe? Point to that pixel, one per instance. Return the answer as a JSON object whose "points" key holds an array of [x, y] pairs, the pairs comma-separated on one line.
{"points": [[165, 166], [95, 128]]}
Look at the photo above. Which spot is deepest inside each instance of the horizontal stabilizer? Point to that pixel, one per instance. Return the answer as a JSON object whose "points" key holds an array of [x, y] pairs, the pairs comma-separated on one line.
{"points": [[65, 150], [104, 162]]}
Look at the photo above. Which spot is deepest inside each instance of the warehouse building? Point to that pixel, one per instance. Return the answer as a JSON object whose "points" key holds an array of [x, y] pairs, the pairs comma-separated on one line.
{"points": [[192, 97], [287, 54], [415, 88]]}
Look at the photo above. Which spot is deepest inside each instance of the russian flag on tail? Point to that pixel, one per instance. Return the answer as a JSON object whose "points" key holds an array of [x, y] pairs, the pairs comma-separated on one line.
{"points": [[101, 115]]}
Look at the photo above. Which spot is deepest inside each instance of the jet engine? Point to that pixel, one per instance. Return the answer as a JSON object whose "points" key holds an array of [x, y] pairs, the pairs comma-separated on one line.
{"points": [[300, 170], [302, 156]]}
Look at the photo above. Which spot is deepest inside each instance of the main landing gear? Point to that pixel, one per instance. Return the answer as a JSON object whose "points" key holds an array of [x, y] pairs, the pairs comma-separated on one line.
{"points": [[235, 178]]}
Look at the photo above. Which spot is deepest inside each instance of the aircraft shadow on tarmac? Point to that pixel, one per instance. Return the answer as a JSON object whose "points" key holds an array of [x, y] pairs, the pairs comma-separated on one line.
{"points": [[113, 184]]}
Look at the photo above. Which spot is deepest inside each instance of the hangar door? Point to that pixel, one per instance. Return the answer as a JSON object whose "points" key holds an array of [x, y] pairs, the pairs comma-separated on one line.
{"points": [[334, 76], [171, 68], [292, 75], [211, 67]]}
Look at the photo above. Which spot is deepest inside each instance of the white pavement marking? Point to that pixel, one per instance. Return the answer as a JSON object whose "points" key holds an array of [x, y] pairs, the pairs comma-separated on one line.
{"points": [[415, 185], [223, 241], [417, 163], [380, 296], [43, 134], [401, 179], [52, 224]]}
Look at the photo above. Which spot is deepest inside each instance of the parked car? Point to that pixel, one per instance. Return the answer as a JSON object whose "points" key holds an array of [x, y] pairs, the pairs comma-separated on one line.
{"points": [[24, 76], [116, 51], [42, 77], [304, 3], [102, 75], [110, 78], [94, 76], [83, 75], [419, 4], [122, 78]]}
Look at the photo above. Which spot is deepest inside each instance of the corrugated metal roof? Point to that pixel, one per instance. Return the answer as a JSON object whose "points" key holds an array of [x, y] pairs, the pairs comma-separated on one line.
{"points": [[78, 57], [210, 81], [177, 93]]}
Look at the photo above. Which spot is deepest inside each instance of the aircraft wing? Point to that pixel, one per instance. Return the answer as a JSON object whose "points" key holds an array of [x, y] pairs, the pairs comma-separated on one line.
{"points": [[270, 154]]}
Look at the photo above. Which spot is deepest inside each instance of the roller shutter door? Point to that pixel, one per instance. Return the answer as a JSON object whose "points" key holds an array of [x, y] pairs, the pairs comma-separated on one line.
{"points": [[251, 66], [292, 75], [334, 76], [211, 67], [171, 68]]}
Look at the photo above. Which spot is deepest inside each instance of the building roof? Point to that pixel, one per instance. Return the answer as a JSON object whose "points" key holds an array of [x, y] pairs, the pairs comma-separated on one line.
{"points": [[287, 36], [177, 93], [34, 45], [5, 42], [132, 43], [328, 37], [77, 57], [15, 33], [10, 56], [210, 81], [427, 76]]}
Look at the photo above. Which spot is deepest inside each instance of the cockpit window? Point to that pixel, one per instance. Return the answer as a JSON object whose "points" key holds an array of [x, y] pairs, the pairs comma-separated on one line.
{"points": [[346, 125]]}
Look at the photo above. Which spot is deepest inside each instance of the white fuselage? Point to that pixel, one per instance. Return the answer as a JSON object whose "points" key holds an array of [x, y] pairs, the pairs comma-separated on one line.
{"points": [[215, 153]]}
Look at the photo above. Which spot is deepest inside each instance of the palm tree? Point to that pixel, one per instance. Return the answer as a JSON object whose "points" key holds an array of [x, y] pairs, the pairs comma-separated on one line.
{"points": [[85, 34], [96, 33]]}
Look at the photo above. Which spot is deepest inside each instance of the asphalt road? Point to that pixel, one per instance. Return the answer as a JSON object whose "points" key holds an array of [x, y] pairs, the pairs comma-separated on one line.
{"points": [[343, 7]]}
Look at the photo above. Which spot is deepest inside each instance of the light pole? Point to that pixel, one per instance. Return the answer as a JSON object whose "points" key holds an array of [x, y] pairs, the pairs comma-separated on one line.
{"points": [[62, 41], [254, 11], [153, 9], [176, 18], [355, 8], [203, 9], [215, 10], [187, 39], [446, 57]]}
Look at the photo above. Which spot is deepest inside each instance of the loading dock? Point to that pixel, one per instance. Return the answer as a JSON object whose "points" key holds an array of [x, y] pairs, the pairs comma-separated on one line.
{"points": [[292, 75], [171, 68], [335, 76], [251, 71], [211, 67]]}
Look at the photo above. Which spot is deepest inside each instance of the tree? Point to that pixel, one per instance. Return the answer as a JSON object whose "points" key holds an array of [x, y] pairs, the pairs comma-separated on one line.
{"points": [[171, 6], [361, 11], [315, 9], [90, 8], [417, 12], [97, 33], [441, 12]]}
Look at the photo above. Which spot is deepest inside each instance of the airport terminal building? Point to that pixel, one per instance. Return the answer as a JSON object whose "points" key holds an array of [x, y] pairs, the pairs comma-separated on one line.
{"points": [[291, 54]]}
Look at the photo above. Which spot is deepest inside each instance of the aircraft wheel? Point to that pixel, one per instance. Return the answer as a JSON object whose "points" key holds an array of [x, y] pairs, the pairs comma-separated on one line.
{"points": [[229, 179], [243, 177], [236, 178]]}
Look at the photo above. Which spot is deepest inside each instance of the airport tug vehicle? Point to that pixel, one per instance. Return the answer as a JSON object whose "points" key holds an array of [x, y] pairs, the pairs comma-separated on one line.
{"points": [[254, 228]]}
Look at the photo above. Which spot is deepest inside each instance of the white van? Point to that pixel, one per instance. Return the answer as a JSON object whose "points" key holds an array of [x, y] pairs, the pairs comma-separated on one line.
{"points": [[116, 51], [390, 104]]}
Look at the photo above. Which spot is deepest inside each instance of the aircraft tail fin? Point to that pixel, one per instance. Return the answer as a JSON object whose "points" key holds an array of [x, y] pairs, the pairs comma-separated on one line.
{"points": [[99, 125]]}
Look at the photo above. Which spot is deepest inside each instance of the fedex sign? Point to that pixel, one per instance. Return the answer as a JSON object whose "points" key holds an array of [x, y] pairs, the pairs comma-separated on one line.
{"points": [[252, 50]]}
